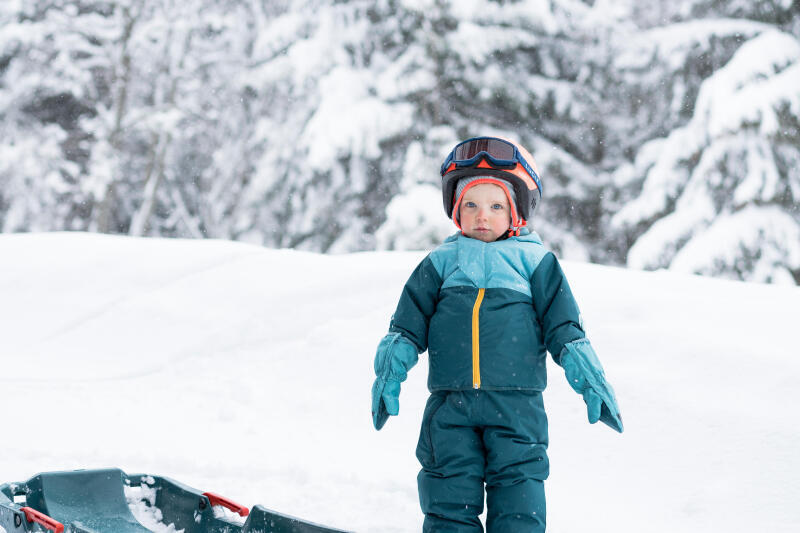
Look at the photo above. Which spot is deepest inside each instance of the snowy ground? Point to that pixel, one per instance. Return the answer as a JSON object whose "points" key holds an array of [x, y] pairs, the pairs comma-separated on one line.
{"points": [[246, 371]]}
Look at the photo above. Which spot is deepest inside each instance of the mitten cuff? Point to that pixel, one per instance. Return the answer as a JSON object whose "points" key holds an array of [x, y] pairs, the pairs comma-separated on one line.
{"points": [[395, 356], [581, 366]]}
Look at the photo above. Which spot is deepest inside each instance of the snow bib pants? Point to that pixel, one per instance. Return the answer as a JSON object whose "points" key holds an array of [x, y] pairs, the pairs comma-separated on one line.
{"points": [[476, 438]]}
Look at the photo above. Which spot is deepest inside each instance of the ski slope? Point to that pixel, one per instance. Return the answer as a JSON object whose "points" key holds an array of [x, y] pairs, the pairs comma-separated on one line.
{"points": [[247, 371]]}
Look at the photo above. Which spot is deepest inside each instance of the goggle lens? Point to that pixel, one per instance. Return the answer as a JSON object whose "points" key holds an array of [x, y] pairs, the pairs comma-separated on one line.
{"points": [[496, 148], [497, 151]]}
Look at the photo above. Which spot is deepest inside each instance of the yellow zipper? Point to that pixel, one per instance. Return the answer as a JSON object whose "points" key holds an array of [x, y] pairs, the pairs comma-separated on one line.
{"points": [[476, 355]]}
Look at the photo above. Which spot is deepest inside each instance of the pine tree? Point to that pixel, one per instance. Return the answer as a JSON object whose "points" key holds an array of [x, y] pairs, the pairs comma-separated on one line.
{"points": [[715, 195], [666, 134]]}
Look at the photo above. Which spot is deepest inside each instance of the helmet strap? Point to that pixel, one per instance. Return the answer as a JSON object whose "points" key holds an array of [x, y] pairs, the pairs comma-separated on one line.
{"points": [[513, 231]]}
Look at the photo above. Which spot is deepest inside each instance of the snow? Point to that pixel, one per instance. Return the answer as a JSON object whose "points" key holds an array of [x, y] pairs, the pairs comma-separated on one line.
{"points": [[141, 501], [664, 177], [287, 123], [767, 233], [763, 74], [246, 371], [409, 74], [224, 514], [535, 15], [492, 40], [349, 120], [673, 43], [724, 160], [414, 218]]}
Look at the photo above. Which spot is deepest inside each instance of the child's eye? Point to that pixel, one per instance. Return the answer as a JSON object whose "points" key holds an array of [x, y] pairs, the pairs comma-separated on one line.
{"points": [[469, 204], [497, 206]]}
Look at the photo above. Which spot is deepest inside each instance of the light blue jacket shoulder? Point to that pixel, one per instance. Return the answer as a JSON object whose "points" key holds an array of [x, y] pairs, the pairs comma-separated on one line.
{"points": [[507, 264]]}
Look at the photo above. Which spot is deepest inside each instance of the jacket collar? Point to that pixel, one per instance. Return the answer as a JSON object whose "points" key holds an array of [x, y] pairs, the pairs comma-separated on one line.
{"points": [[525, 235]]}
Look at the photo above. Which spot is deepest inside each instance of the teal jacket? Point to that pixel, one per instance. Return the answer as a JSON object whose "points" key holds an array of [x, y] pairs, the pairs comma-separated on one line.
{"points": [[487, 313]]}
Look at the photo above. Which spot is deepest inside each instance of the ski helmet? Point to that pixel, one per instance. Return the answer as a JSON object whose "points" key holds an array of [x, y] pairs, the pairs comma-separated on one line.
{"points": [[493, 157]]}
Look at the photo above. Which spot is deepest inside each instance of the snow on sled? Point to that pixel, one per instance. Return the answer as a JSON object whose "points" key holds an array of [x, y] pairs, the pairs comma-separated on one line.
{"points": [[110, 501]]}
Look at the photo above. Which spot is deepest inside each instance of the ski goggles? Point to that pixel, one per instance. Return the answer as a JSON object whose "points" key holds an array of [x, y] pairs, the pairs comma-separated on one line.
{"points": [[497, 152]]}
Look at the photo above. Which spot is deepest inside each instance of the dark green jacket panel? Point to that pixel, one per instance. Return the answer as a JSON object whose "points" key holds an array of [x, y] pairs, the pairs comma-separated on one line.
{"points": [[555, 306], [511, 352], [417, 304], [450, 349]]}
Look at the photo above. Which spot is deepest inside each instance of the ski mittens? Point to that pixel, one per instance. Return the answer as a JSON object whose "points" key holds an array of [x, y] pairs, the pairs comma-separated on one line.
{"points": [[396, 355], [585, 375]]}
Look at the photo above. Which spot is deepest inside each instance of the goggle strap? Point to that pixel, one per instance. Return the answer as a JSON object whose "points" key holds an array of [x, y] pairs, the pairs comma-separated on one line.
{"points": [[519, 171]]}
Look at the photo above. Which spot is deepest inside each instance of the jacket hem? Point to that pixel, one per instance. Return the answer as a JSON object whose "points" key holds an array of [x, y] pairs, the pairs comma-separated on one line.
{"points": [[456, 388]]}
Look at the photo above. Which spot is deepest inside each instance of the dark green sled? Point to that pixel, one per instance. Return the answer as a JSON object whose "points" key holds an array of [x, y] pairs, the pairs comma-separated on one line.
{"points": [[104, 501]]}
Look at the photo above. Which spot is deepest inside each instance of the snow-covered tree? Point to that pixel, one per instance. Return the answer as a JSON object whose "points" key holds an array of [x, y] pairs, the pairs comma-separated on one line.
{"points": [[38, 115], [334, 139], [172, 102], [666, 133], [131, 106], [719, 195]]}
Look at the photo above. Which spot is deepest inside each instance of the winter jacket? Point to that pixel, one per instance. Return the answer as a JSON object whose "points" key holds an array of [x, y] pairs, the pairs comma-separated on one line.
{"points": [[487, 313]]}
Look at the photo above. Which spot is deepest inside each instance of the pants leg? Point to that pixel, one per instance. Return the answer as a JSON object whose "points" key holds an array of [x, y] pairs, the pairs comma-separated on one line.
{"points": [[517, 463], [451, 453]]}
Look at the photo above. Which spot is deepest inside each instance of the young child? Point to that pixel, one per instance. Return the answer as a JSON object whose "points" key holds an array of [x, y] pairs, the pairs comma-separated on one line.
{"points": [[487, 304]]}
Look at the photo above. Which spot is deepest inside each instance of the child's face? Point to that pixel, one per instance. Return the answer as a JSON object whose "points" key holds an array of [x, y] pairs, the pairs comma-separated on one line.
{"points": [[484, 212]]}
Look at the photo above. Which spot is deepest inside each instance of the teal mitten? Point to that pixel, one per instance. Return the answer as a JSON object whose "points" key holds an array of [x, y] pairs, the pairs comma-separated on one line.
{"points": [[585, 375], [394, 358]]}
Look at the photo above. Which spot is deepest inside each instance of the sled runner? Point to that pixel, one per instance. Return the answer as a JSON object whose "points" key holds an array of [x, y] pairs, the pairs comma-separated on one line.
{"points": [[110, 501]]}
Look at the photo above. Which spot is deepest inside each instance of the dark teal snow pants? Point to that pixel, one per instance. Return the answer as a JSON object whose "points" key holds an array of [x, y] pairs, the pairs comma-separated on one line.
{"points": [[474, 438]]}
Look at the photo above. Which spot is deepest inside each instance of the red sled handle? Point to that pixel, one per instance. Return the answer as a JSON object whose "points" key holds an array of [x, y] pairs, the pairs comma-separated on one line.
{"points": [[216, 499], [32, 515]]}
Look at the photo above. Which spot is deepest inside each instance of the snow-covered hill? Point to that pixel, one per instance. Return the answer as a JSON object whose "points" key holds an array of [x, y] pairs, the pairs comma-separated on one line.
{"points": [[247, 371]]}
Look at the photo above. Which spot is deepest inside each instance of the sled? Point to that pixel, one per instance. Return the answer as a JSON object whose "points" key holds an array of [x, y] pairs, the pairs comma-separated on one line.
{"points": [[110, 501]]}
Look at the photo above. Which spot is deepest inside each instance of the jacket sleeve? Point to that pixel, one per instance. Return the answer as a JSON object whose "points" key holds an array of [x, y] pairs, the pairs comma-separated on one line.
{"points": [[417, 305], [555, 306]]}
